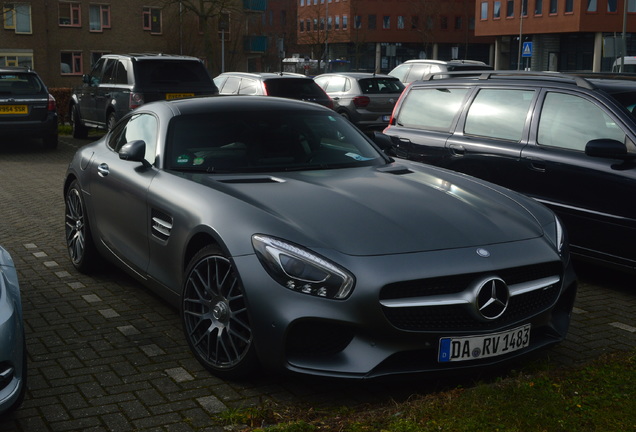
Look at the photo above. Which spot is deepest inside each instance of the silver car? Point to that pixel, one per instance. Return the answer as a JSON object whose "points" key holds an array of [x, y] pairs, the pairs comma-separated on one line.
{"points": [[13, 362], [366, 99]]}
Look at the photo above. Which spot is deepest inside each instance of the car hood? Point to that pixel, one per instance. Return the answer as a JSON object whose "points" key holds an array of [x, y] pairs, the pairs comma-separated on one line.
{"points": [[375, 211]]}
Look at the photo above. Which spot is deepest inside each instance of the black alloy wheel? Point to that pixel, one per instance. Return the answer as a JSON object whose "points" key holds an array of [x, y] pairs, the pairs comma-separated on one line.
{"points": [[215, 317]]}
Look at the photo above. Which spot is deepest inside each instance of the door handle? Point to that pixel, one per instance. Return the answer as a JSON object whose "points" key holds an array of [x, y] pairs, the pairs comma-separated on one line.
{"points": [[457, 149], [536, 164], [103, 170]]}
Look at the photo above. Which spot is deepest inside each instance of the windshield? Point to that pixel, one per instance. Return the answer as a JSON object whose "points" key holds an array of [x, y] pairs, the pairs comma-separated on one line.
{"points": [[266, 141]]}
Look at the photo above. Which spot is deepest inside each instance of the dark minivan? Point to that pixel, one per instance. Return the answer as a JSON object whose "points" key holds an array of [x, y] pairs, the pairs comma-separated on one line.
{"points": [[119, 83]]}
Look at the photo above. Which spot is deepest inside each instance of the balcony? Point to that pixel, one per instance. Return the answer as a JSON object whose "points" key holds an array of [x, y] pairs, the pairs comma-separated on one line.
{"points": [[255, 5], [255, 44]]}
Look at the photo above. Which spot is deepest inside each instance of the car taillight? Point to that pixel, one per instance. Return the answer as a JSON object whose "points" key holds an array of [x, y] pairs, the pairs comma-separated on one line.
{"points": [[136, 99], [52, 105], [395, 107], [361, 101]]}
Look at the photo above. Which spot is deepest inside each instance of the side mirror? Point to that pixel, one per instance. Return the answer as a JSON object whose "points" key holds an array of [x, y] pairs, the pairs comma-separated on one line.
{"points": [[134, 151], [607, 148], [384, 142]]}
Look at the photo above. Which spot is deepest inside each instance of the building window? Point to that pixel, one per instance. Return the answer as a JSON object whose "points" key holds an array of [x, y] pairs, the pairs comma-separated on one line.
{"points": [[372, 22], [322, 23], [95, 56], [400, 22], [510, 9], [569, 6], [524, 7], [315, 24], [443, 22], [337, 24], [458, 22], [357, 22], [611, 6], [631, 5], [538, 7], [554, 6], [224, 26], [415, 22], [302, 2], [329, 23], [301, 26], [22, 59], [152, 19], [345, 22], [592, 6], [484, 10], [69, 14], [99, 17], [283, 18], [17, 17], [386, 22], [71, 63], [496, 10]]}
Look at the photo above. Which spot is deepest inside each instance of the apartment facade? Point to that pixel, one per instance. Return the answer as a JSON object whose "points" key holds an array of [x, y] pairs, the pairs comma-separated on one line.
{"points": [[62, 39], [557, 35], [376, 35]]}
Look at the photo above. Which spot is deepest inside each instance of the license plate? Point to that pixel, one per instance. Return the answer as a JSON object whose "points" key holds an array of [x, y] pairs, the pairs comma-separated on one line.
{"points": [[170, 96], [386, 118], [14, 109], [477, 347]]}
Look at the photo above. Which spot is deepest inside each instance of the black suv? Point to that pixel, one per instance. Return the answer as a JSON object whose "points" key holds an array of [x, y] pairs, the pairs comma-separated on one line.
{"points": [[119, 83], [27, 109], [567, 141], [282, 84]]}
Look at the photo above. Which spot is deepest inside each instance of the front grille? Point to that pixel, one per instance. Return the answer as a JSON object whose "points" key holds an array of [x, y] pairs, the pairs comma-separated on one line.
{"points": [[461, 317]]}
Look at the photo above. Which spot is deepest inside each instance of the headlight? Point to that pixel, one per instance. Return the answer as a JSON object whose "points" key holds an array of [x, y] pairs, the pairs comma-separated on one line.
{"points": [[558, 236], [301, 270]]}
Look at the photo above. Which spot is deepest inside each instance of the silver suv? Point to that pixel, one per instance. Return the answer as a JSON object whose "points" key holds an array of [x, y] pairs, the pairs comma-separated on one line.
{"points": [[415, 70], [366, 99]]}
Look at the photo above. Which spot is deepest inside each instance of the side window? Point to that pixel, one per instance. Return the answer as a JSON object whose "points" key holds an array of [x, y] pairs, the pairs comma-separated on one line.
{"points": [[109, 71], [248, 87], [138, 127], [335, 84], [431, 109], [499, 113], [569, 121], [121, 74], [231, 86], [96, 72]]}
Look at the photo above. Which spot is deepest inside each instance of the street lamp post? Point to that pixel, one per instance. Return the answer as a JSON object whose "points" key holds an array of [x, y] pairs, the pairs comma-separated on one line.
{"points": [[624, 47], [520, 34]]}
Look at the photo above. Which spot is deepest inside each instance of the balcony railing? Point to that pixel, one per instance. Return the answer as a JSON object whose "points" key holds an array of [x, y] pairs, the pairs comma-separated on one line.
{"points": [[255, 5], [255, 44]]}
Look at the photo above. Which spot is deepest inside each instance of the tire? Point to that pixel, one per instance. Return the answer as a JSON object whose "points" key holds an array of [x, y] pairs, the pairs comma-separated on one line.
{"points": [[215, 317], [79, 241], [110, 122], [345, 115], [79, 130]]}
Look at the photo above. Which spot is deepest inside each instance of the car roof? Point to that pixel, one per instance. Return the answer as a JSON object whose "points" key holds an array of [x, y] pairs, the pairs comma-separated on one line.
{"points": [[265, 75], [152, 56], [507, 77], [358, 75], [475, 62], [17, 69], [240, 103]]}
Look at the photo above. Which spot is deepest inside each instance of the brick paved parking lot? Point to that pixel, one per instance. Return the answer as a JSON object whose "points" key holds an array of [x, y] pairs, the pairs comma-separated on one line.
{"points": [[107, 355]]}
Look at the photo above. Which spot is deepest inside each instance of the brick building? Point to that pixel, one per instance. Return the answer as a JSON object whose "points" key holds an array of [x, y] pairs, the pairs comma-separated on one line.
{"points": [[376, 35], [558, 35]]}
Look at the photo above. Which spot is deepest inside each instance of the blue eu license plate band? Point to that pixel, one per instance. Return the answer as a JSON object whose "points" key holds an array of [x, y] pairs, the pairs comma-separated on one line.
{"points": [[483, 346]]}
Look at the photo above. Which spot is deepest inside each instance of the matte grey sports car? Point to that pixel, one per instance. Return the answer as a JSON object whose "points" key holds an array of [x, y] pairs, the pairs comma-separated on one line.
{"points": [[13, 355], [286, 238]]}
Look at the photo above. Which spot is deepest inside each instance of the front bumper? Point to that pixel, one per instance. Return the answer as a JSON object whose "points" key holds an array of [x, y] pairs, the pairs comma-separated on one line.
{"points": [[360, 338]]}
